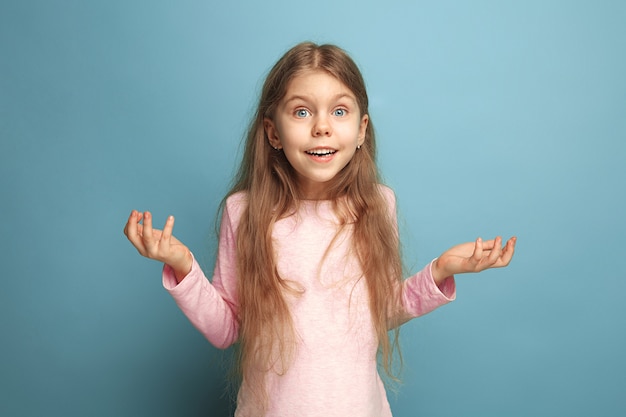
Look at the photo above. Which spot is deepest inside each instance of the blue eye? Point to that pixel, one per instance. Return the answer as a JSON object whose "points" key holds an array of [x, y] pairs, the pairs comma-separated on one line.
{"points": [[340, 112], [302, 113]]}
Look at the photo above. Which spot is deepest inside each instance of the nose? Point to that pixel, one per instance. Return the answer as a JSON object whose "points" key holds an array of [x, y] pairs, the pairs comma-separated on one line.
{"points": [[321, 127]]}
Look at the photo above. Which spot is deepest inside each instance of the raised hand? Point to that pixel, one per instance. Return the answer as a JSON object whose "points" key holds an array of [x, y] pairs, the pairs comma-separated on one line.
{"points": [[473, 257], [158, 245]]}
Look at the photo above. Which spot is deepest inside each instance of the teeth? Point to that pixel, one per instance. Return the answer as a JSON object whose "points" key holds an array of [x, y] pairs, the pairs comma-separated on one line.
{"points": [[321, 152]]}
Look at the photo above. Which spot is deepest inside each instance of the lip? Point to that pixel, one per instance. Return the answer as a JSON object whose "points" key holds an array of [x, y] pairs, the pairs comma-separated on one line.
{"points": [[321, 153], [320, 150]]}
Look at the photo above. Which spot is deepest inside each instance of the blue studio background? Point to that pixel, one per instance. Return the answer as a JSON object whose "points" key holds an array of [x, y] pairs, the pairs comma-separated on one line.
{"points": [[493, 117]]}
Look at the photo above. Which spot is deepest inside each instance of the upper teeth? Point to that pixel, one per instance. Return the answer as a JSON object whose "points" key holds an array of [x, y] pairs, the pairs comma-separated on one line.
{"points": [[320, 151]]}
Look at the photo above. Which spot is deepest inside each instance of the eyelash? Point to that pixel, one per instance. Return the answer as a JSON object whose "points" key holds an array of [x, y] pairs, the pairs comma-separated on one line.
{"points": [[298, 112]]}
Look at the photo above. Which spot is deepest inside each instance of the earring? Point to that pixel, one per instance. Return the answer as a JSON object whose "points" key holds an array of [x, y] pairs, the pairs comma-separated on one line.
{"points": [[358, 147]]}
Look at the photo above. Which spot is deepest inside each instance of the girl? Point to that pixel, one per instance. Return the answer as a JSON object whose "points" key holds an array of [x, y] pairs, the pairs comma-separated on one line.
{"points": [[308, 276]]}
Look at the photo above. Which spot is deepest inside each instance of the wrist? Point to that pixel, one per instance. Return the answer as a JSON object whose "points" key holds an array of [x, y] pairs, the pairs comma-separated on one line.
{"points": [[438, 272], [182, 269]]}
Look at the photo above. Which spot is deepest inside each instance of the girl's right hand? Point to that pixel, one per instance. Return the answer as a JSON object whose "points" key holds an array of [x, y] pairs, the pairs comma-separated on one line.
{"points": [[158, 245]]}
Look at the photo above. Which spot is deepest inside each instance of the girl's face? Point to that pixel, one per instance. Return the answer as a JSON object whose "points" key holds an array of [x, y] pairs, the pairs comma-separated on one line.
{"points": [[318, 124]]}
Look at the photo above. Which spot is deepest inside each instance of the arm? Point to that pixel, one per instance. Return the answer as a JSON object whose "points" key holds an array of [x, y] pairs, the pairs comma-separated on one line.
{"points": [[211, 308], [434, 286], [421, 294]]}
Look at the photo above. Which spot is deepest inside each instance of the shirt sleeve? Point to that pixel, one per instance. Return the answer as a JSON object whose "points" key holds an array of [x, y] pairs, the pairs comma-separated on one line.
{"points": [[211, 307], [420, 294]]}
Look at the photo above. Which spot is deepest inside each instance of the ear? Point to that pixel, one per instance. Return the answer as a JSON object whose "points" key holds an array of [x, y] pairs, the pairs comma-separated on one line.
{"points": [[272, 133], [363, 128]]}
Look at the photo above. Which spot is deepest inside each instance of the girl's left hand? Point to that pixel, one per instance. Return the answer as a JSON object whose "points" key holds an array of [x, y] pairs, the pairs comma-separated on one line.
{"points": [[473, 257]]}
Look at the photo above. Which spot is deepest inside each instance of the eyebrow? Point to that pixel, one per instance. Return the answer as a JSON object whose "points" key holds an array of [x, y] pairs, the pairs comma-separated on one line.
{"points": [[336, 97]]}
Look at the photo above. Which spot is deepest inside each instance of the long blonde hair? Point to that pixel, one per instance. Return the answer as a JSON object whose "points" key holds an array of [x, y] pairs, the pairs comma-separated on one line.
{"points": [[269, 181]]}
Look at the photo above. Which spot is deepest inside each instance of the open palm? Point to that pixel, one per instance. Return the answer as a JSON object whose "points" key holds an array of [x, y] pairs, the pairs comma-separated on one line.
{"points": [[474, 257], [158, 244]]}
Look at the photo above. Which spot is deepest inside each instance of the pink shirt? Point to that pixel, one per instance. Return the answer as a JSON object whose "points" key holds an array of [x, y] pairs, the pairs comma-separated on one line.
{"points": [[334, 371]]}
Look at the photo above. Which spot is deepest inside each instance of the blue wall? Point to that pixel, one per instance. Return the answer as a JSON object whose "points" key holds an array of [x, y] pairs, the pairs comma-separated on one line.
{"points": [[493, 117]]}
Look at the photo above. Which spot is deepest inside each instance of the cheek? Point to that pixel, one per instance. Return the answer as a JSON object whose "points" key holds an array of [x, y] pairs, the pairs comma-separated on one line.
{"points": [[291, 131], [349, 131]]}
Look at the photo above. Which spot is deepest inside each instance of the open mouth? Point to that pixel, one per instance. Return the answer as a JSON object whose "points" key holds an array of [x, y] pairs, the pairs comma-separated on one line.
{"points": [[321, 152]]}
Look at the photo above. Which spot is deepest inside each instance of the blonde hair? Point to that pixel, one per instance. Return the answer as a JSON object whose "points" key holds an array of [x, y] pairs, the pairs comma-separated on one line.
{"points": [[266, 328]]}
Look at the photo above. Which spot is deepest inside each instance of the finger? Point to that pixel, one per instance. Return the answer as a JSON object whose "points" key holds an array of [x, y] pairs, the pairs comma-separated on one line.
{"points": [[128, 226], [496, 251], [147, 229], [167, 230], [509, 250], [478, 251], [489, 244], [131, 231]]}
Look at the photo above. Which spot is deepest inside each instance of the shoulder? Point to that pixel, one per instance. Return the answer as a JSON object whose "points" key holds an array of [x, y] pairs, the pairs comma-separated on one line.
{"points": [[390, 200], [237, 199], [234, 206], [388, 194]]}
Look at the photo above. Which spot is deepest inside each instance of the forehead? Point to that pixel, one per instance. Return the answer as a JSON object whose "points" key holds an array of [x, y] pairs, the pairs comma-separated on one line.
{"points": [[316, 84]]}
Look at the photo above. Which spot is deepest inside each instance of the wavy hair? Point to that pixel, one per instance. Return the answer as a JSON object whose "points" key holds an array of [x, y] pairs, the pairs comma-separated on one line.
{"points": [[266, 339]]}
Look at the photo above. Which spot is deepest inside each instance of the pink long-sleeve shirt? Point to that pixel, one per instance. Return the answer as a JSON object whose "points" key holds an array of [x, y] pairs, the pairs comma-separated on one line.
{"points": [[334, 370]]}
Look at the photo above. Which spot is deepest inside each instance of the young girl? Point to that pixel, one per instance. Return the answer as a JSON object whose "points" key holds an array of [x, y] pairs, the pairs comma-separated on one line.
{"points": [[308, 276]]}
